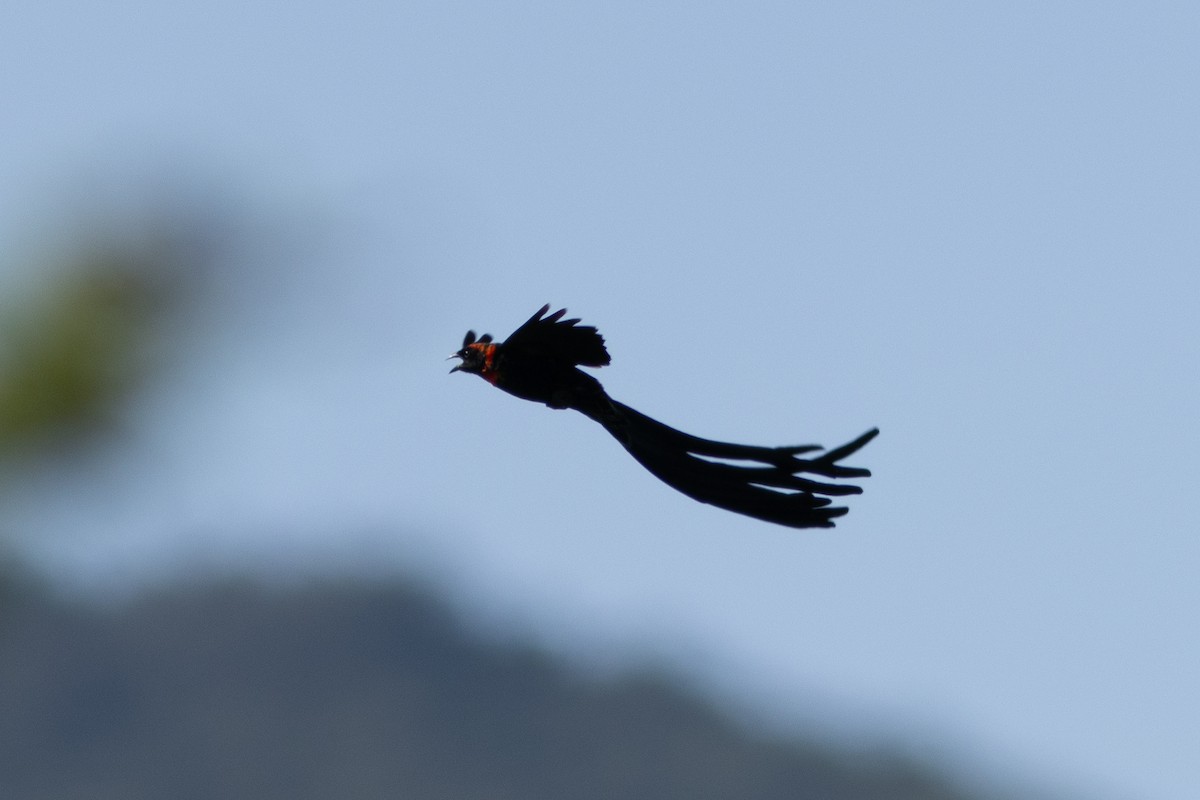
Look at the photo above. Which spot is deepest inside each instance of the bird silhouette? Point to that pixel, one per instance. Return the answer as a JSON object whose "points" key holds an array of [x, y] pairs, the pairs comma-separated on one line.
{"points": [[540, 361]]}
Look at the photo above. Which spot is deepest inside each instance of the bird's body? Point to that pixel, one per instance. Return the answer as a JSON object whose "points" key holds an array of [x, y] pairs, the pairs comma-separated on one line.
{"points": [[540, 362]]}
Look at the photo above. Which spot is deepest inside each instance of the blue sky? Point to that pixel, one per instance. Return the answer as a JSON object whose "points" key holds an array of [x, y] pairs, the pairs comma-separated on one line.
{"points": [[971, 225]]}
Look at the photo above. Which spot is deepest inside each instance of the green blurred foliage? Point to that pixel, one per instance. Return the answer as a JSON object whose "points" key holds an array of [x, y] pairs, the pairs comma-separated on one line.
{"points": [[77, 343]]}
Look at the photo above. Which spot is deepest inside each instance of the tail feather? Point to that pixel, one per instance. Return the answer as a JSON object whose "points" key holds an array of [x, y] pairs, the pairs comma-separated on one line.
{"points": [[776, 492]]}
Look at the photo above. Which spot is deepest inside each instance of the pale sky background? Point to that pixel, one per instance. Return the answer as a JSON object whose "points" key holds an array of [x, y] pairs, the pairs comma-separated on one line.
{"points": [[973, 225]]}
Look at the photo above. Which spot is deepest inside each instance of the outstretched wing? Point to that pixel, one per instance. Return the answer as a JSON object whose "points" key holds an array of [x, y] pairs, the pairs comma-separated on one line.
{"points": [[557, 339]]}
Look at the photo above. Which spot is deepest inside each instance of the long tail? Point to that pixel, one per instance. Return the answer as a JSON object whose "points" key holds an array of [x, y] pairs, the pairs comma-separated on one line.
{"points": [[770, 487]]}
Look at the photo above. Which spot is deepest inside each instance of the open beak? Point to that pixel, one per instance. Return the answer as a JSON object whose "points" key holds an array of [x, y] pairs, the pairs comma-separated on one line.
{"points": [[456, 367]]}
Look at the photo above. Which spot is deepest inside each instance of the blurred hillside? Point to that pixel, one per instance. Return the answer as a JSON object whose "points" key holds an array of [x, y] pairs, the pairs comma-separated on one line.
{"points": [[350, 690]]}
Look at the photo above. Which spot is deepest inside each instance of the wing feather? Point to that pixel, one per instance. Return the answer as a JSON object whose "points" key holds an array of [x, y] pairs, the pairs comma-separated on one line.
{"points": [[558, 339]]}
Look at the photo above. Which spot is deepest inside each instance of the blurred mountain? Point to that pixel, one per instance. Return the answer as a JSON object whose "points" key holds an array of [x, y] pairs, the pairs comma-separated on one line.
{"points": [[355, 690]]}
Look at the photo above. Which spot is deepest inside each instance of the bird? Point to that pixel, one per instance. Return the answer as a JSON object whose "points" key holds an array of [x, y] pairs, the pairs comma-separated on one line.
{"points": [[540, 361]]}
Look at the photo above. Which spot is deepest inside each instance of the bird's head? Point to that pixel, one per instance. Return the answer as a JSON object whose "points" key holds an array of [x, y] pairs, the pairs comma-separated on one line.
{"points": [[475, 354]]}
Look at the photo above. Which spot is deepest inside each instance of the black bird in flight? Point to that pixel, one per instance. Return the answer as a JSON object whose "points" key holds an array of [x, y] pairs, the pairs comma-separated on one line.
{"points": [[540, 362]]}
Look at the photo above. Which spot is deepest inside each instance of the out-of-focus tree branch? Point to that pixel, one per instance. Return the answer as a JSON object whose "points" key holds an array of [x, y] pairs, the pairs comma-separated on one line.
{"points": [[77, 344]]}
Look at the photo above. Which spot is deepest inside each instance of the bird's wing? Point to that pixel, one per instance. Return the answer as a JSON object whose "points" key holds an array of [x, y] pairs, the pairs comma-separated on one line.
{"points": [[557, 339]]}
